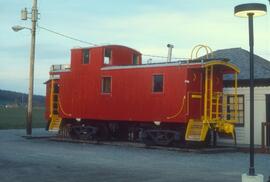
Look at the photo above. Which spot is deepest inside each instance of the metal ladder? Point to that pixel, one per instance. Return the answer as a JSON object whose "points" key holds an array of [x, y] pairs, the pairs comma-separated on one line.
{"points": [[197, 129], [54, 108]]}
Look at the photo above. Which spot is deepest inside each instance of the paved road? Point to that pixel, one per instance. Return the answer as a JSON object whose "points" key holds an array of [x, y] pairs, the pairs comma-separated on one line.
{"points": [[41, 160]]}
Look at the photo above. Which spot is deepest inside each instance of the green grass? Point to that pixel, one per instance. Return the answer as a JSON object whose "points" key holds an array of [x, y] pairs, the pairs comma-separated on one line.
{"points": [[15, 118]]}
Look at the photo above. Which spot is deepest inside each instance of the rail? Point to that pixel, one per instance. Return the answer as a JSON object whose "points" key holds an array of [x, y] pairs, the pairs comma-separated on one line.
{"points": [[265, 141], [60, 67]]}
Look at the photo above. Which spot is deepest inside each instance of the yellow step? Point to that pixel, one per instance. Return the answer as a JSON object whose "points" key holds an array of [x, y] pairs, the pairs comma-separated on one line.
{"points": [[194, 138], [55, 123], [196, 130]]}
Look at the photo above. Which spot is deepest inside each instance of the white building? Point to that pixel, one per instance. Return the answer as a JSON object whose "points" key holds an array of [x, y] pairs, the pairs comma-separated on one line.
{"points": [[240, 57]]}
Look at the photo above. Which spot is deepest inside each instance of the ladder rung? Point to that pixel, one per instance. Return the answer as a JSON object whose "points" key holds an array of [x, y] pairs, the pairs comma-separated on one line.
{"points": [[197, 124], [217, 104], [212, 99], [196, 128]]}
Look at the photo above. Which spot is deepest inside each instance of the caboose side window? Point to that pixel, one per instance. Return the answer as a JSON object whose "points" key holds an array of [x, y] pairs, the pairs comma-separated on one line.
{"points": [[86, 56], [135, 59], [157, 83], [107, 56], [106, 84]]}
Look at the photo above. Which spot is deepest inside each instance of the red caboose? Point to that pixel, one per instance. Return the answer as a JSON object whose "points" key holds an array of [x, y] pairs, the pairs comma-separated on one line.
{"points": [[106, 92]]}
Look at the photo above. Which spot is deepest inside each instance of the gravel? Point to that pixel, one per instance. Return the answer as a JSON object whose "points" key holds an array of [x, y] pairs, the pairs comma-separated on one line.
{"points": [[40, 159]]}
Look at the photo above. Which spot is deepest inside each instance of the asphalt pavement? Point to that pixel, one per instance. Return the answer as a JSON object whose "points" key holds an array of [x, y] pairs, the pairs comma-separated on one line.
{"points": [[42, 160]]}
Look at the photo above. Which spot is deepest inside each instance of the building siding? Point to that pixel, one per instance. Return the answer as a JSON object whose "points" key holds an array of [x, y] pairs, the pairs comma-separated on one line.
{"points": [[243, 132]]}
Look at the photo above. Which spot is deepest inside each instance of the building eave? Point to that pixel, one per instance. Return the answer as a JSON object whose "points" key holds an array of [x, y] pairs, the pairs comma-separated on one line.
{"points": [[245, 83]]}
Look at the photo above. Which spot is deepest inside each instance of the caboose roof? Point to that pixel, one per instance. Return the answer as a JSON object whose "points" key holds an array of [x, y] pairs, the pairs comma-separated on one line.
{"points": [[198, 63]]}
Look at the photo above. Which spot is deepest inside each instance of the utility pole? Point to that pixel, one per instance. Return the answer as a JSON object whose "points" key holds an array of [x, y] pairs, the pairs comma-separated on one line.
{"points": [[34, 18], [34, 15]]}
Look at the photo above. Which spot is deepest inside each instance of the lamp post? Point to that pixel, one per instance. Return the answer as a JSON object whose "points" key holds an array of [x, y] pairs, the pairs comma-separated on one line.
{"points": [[17, 28], [249, 11]]}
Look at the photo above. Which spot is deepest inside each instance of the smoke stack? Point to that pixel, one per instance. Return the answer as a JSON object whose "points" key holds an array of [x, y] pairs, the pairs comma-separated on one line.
{"points": [[170, 47]]}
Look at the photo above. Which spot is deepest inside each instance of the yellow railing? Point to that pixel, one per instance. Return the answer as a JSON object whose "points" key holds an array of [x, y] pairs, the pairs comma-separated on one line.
{"points": [[222, 110], [54, 100], [51, 98], [215, 103], [197, 48], [55, 119], [218, 113]]}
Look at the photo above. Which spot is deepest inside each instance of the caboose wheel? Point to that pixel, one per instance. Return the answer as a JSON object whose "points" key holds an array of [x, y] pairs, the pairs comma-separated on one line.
{"points": [[159, 137], [103, 132], [163, 138], [65, 131], [83, 132]]}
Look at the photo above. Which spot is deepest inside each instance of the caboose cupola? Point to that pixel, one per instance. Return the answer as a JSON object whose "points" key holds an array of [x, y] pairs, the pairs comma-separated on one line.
{"points": [[102, 56]]}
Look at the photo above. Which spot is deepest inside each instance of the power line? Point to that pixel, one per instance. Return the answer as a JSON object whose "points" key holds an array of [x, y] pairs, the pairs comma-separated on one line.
{"points": [[67, 36], [92, 44], [163, 57]]}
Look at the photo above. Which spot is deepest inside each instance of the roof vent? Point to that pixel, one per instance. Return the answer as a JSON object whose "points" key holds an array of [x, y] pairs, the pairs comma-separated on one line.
{"points": [[170, 47]]}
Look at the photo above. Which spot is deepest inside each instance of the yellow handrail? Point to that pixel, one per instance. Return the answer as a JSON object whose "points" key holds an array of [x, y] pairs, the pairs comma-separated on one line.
{"points": [[211, 92], [199, 47], [180, 110], [51, 98], [205, 94], [61, 108], [235, 97], [59, 101], [217, 107]]}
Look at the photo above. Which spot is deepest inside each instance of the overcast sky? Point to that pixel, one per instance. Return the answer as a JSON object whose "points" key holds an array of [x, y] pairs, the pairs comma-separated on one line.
{"points": [[145, 25]]}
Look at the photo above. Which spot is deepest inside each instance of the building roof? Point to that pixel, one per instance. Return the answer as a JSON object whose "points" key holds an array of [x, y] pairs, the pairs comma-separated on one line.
{"points": [[240, 57]]}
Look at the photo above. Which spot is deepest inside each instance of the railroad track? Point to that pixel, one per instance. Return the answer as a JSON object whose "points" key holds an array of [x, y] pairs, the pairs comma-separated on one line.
{"points": [[220, 149]]}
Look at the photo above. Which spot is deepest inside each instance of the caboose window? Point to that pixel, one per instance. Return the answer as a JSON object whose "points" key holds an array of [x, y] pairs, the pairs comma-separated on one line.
{"points": [[135, 59], [157, 83], [107, 56], [86, 56], [106, 84], [240, 109]]}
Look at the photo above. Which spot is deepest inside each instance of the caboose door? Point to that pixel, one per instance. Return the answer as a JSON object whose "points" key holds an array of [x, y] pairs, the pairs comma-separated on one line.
{"points": [[195, 93]]}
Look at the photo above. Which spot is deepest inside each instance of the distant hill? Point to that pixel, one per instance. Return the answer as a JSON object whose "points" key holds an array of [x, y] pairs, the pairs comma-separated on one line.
{"points": [[19, 99]]}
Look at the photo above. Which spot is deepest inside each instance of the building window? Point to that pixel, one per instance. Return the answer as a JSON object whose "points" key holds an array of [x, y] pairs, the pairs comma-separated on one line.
{"points": [[86, 56], [240, 109], [107, 56], [135, 59], [157, 83], [106, 84]]}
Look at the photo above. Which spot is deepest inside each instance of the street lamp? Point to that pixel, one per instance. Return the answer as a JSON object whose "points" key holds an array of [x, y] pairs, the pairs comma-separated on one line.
{"points": [[17, 28], [249, 11]]}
